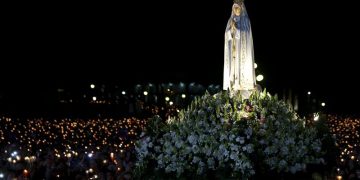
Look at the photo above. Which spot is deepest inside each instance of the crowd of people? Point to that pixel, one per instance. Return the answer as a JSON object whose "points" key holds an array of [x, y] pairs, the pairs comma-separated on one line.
{"points": [[103, 148], [68, 148], [347, 134]]}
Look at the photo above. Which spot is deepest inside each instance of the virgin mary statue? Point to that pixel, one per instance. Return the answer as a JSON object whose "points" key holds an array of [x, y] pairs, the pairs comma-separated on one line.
{"points": [[239, 72]]}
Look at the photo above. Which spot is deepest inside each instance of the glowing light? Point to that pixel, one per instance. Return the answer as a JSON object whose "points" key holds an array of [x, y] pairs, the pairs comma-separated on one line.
{"points": [[68, 155], [1, 175], [323, 104], [339, 177], [90, 155], [255, 65], [171, 103], [183, 96], [123, 92], [94, 98], [316, 116], [145, 93], [309, 92], [14, 153], [167, 99], [352, 157], [92, 86], [259, 77]]}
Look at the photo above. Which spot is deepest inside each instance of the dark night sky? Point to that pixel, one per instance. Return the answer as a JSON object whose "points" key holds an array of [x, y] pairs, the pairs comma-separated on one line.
{"points": [[302, 45]]}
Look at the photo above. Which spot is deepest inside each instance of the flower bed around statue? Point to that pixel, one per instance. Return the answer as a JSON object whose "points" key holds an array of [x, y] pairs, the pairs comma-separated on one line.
{"points": [[224, 136]]}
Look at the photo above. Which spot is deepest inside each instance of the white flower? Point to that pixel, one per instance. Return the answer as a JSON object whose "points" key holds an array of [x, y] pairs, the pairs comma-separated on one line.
{"points": [[240, 139], [211, 163], [178, 144], [195, 149], [234, 147], [222, 120], [249, 148], [160, 161], [282, 163], [289, 141], [244, 148], [231, 137], [192, 139], [223, 137], [284, 150], [208, 151], [157, 148], [195, 159], [248, 131], [233, 155]]}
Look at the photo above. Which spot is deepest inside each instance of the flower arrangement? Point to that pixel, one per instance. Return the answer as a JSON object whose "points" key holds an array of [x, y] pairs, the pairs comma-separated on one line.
{"points": [[225, 136]]}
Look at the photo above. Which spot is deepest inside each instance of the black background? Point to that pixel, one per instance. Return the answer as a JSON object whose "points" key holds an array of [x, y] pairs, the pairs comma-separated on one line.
{"points": [[302, 45]]}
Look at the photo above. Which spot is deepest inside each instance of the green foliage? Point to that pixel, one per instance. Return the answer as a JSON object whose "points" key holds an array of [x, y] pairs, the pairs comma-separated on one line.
{"points": [[225, 136]]}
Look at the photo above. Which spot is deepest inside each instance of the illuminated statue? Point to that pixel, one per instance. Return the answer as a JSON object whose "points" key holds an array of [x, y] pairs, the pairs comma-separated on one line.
{"points": [[239, 72]]}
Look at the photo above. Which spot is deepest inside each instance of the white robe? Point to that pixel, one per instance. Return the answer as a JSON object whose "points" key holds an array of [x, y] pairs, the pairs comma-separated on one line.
{"points": [[239, 71]]}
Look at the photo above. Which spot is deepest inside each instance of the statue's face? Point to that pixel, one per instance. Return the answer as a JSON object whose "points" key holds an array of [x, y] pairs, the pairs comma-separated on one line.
{"points": [[237, 10]]}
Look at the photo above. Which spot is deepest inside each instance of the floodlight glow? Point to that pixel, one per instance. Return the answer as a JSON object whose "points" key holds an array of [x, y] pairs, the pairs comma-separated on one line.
{"points": [[92, 86], [323, 104], [259, 77], [145, 93], [183, 96], [167, 99], [94, 98]]}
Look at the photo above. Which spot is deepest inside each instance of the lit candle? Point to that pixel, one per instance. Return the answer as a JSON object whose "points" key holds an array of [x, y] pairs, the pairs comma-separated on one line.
{"points": [[112, 156], [26, 172]]}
